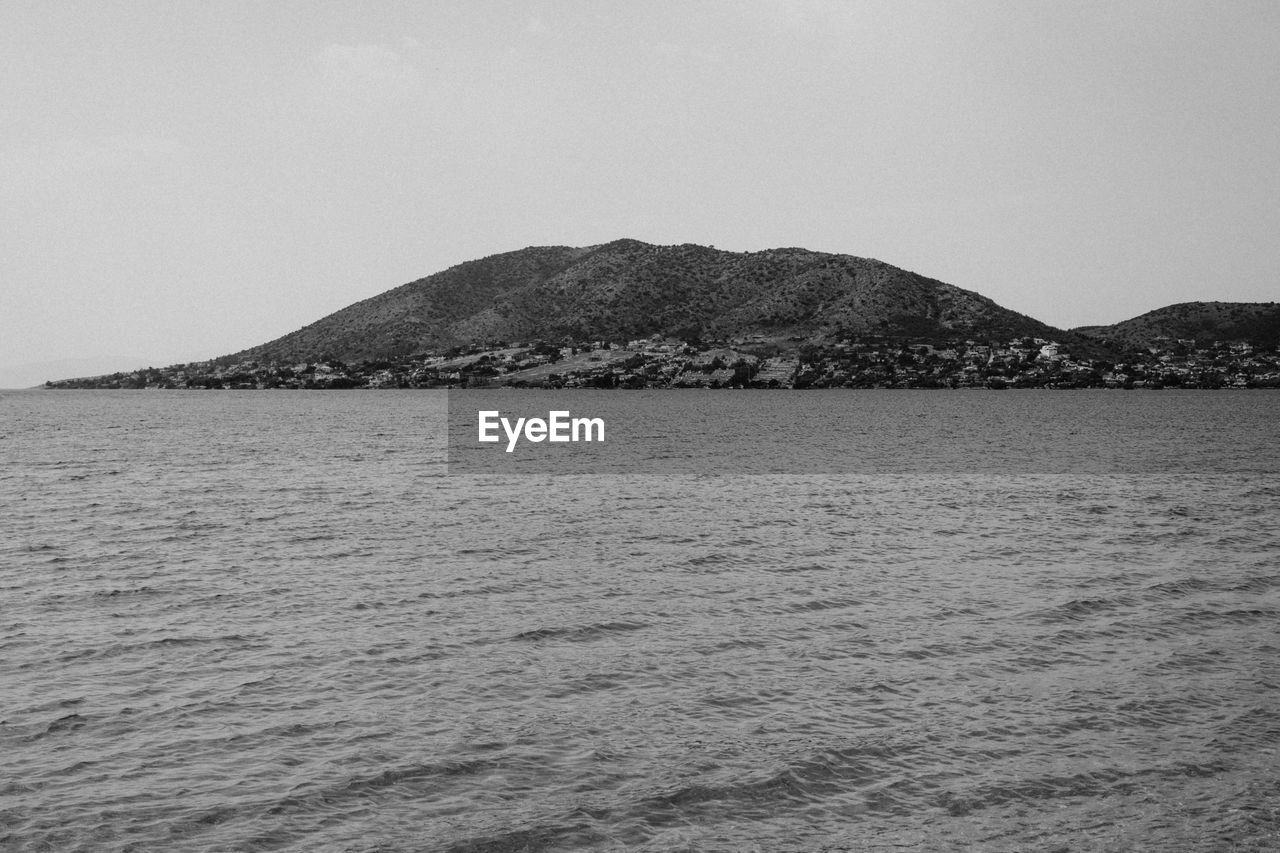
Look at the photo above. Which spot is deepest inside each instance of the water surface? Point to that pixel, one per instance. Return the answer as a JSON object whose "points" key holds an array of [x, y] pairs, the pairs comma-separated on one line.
{"points": [[272, 621]]}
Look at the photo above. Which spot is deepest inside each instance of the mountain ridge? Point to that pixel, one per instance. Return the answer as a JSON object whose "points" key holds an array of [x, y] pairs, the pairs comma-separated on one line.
{"points": [[628, 289], [558, 299], [1256, 323]]}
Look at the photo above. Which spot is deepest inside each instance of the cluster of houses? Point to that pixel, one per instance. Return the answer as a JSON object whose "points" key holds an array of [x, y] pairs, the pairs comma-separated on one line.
{"points": [[751, 363]]}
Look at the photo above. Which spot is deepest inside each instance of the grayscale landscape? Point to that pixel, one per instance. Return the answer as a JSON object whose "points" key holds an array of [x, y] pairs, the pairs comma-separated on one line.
{"points": [[778, 425]]}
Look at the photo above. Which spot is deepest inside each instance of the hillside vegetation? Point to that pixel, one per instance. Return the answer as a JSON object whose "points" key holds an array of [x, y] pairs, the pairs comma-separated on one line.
{"points": [[628, 289], [1256, 323]]}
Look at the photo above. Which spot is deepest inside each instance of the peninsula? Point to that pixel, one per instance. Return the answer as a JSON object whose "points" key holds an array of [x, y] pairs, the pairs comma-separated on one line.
{"points": [[635, 315]]}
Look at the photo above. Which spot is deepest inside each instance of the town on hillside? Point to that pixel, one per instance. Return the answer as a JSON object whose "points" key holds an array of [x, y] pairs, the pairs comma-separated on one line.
{"points": [[751, 363]]}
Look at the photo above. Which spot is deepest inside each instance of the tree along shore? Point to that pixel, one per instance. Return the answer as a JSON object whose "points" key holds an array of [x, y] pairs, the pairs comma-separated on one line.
{"points": [[668, 363]]}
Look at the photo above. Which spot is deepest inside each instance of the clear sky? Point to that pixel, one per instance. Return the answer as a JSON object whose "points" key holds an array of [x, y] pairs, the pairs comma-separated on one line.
{"points": [[184, 179]]}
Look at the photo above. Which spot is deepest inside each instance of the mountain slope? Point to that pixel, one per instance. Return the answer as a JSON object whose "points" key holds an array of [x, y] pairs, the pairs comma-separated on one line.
{"points": [[1205, 322], [628, 289]]}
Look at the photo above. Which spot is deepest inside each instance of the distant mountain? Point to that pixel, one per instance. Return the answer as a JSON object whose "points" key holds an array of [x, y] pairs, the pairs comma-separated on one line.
{"points": [[628, 289], [1257, 323]]}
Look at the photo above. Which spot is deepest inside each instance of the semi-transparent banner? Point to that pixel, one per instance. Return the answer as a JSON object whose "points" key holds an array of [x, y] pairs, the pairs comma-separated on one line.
{"points": [[723, 432]]}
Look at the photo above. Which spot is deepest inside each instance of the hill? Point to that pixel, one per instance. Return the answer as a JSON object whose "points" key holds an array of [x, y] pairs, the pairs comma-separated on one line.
{"points": [[628, 289], [1257, 323]]}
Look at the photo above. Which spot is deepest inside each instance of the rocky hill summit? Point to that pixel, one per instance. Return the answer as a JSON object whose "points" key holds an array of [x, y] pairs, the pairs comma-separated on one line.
{"points": [[628, 289]]}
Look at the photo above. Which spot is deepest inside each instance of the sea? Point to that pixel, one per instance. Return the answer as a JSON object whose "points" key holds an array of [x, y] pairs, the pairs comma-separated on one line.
{"points": [[1008, 621]]}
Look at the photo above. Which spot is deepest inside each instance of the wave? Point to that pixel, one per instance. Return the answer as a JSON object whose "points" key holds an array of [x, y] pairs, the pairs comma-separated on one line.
{"points": [[579, 633]]}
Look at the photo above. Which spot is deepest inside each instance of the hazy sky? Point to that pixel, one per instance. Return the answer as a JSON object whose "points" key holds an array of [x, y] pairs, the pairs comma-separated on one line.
{"points": [[185, 179]]}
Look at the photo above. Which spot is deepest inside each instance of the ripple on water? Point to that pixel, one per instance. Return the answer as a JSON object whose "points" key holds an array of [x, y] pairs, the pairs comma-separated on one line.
{"points": [[340, 648]]}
